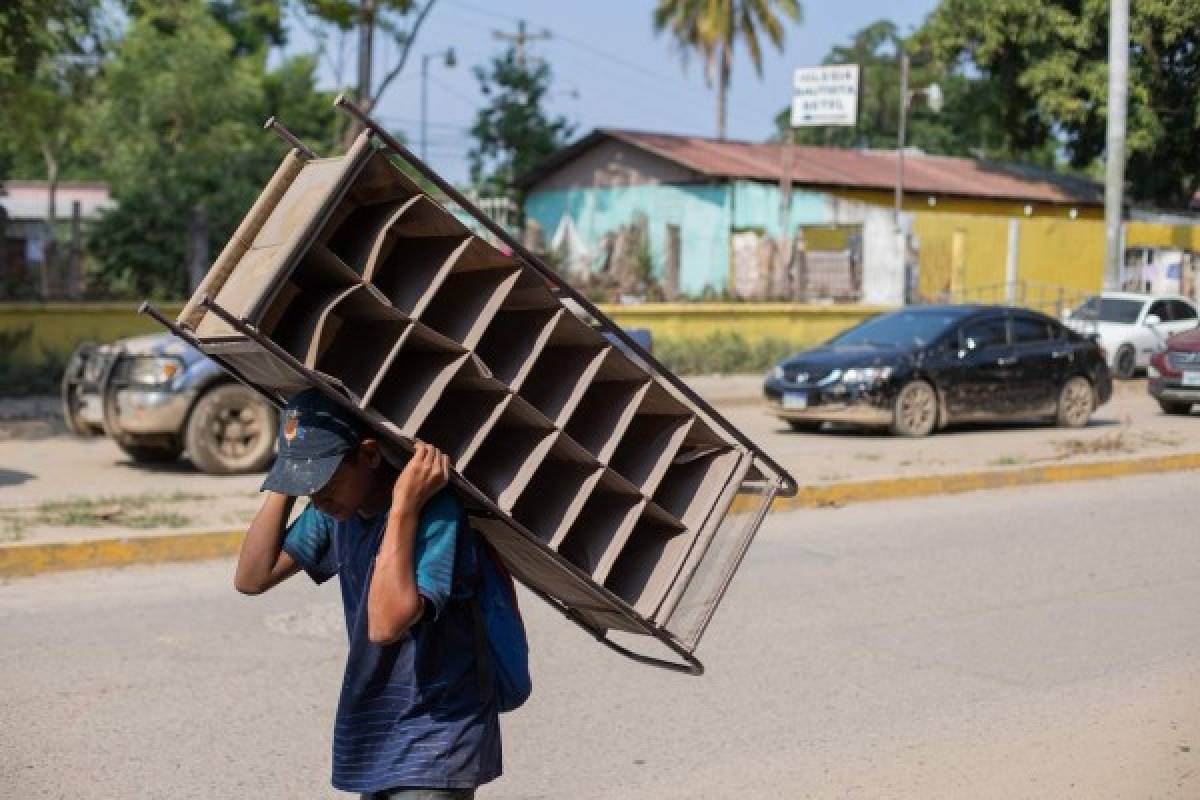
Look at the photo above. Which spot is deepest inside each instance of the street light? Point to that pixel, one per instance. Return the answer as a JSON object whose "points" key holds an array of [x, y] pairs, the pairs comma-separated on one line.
{"points": [[933, 98], [449, 60]]}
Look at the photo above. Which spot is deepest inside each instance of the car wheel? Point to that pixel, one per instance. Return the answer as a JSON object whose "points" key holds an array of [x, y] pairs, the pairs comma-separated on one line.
{"points": [[231, 430], [1125, 364], [805, 425], [150, 449], [1076, 401], [1180, 409], [915, 410]]}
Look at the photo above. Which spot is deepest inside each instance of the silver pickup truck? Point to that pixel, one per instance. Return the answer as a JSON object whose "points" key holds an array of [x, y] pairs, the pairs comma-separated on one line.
{"points": [[157, 397]]}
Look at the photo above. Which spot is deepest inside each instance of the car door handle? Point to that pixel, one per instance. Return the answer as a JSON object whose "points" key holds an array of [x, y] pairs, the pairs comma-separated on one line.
{"points": [[1060, 354], [1006, 362]]}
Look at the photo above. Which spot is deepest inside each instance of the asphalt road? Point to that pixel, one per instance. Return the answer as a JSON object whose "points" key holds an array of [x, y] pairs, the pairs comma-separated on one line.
{"points": [[1039, 643]]}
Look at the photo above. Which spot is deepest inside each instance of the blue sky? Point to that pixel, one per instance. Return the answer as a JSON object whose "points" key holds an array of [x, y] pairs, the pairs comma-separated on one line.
{"points": [[609, 68]]}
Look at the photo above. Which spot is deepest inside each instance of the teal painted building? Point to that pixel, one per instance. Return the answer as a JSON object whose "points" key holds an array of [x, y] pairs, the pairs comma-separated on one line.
{"points": [[722, 200]]}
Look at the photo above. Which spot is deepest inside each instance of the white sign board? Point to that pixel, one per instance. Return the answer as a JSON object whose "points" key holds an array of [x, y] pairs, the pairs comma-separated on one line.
{"points": [[825, 96]]}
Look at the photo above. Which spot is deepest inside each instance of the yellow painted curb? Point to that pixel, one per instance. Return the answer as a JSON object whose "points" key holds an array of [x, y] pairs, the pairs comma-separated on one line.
{"points": [[840, 494], [33, 558]]}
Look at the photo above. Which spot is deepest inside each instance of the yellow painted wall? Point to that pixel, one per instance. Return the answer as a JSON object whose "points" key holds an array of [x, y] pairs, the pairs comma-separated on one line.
{"points": [[59, 328], [982, 244], [791, 322], [915, 201], [1184, 237], [1063, 253]]}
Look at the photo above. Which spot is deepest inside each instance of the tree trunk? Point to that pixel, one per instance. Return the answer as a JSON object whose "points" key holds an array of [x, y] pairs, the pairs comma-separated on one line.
{"points": [[49, 243], [722, 89], [74, 281]]}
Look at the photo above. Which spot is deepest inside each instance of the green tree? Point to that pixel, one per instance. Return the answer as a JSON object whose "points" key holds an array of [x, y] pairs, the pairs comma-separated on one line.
{"points": [[1048, 61], [513, 131], [48, 53], [178, 113], [713, 28], [971, 121]]}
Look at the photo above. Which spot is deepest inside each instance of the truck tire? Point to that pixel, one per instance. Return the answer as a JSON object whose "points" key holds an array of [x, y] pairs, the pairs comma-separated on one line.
{"points": [[1125, 364], [231, 430], [155, 449], [1178, 409]]}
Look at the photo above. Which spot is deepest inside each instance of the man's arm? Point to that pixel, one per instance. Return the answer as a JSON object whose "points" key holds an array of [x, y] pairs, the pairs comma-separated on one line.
{"points": [[393, 603], [262, 561]]}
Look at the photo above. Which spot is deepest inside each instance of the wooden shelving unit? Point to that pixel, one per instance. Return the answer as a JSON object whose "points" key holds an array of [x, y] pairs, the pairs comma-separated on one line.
{"points": [[600, 483]]}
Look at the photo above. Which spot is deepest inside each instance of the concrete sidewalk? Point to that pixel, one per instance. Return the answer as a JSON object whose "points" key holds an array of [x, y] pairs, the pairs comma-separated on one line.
{"points": [[57, 490]]}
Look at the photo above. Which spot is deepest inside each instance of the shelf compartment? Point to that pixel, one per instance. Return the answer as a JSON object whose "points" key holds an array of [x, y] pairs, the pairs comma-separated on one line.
{"points": [[608, 405], [599, 531], [693, 481], [414, 268], [465, 303], [531, 293], [556, 493], [366, 234], [418, 371], [559, 378], [465, 409], [649, 442], [648, 562], [379, 181], [504, 462], [355, 338], [316, 280], [513, 339]]}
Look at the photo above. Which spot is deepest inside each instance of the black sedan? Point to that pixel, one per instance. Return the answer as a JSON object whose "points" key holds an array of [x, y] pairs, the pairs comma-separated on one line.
{"points": [[918, 369]]}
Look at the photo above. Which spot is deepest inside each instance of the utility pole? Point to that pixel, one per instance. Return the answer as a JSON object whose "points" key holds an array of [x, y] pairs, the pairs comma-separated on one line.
{"points": [[448, 55], [521, 38], [366, 41], [900, 131], [1114, 161]]}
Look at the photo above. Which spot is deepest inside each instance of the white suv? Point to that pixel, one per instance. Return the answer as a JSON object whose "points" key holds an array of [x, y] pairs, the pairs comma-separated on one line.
{"points": [[1131, 327]]}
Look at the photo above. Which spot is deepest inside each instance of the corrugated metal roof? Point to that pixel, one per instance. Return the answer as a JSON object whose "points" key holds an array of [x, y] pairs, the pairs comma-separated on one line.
{"points": [[846, 168], [26, 200]]}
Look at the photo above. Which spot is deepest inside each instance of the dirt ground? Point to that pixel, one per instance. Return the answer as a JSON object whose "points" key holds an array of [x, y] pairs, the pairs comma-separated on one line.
{"points": [[54, 486]]}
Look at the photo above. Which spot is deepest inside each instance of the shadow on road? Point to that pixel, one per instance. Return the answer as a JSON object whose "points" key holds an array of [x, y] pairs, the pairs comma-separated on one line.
{"points": [[14, 477], [842, 431]]}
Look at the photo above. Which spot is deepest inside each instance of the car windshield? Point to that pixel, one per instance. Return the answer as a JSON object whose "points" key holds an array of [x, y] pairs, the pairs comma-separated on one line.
{"points": [[899, 329], [1109, 309]]}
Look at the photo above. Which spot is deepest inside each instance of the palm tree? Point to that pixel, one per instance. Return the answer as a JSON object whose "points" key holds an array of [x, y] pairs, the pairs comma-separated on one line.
{"points": [[713, 27]]}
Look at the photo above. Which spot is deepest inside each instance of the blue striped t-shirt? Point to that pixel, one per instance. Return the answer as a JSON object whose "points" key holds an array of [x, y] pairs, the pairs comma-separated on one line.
{"points": [[415, 713]]}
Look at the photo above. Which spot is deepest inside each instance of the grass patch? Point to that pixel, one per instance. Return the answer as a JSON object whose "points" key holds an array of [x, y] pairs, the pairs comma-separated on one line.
{"points": [[1007, 461], [140, 512], [722, 353]]}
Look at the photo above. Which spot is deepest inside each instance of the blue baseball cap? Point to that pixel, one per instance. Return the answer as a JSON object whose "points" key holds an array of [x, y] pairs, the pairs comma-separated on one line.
{"points": [[315, 434]]}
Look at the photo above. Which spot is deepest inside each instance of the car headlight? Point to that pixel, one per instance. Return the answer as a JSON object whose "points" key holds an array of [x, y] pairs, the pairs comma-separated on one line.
{"points": [[154, 370], [869, 376], [777, 372], [1152, 372]]}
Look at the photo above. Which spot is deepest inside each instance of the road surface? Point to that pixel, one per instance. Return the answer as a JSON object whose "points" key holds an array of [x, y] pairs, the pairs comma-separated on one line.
{"points": [[174, 498], [1038, 643]]}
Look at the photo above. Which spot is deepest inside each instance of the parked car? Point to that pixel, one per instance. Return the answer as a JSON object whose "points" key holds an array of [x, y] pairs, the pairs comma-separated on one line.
{"points": [[156, 397], [1131, 327], [918, 369], [1174, 373]]}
